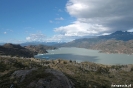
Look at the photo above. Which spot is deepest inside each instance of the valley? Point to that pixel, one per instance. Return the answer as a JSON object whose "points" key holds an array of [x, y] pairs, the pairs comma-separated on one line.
{"points": [[66, 44], [83, 63]]}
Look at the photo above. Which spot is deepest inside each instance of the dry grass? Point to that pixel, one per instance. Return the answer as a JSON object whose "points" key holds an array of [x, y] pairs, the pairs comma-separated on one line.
{"points": [[83, 75]]}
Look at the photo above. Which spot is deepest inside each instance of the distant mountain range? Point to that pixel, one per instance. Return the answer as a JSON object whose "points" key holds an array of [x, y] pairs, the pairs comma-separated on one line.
{"points": [[39, 43], [117, 42], [119, 35]]}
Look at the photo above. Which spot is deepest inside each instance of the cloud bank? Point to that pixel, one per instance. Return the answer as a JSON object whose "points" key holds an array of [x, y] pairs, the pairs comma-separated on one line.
{"points": [[36, 37], [97, 17], [42, 38], [93, 17]]}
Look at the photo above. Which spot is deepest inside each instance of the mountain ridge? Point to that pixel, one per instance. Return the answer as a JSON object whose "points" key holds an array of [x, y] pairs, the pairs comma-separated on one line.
{"points": [[26, 51], [40, 49], [15, 50], [117, 42]]}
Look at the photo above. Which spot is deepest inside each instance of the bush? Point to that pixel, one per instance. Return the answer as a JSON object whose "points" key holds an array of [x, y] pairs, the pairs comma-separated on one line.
{"points": [[64, 62], [2, 67], [19, 65]]}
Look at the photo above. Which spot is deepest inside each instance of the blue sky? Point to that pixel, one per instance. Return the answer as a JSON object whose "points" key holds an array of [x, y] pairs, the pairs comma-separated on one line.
{"points": [[62, 20]]}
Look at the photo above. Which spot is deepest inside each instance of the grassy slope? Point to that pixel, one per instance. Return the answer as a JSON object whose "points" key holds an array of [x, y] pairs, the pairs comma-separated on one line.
{"points": [[83, 75]]}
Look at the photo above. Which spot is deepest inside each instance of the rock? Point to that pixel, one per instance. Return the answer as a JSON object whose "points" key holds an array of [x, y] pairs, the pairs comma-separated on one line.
{"points": [[58, 81], [47, 78], [21, 74]]}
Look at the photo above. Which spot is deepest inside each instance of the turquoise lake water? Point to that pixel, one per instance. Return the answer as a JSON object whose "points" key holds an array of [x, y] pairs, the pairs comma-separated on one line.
{"points": [[81, 54]]}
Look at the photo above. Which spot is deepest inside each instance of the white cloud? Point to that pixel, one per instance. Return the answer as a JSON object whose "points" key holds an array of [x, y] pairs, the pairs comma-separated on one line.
{"points": [[131, 30], [5, 32], [28, 38], [97, 17], [59, 38], [60, 10], [42, 38], [81, 29], [61, 18], [51, 21], [36, 37], [93, 17], [106, 33], [116, 14]]}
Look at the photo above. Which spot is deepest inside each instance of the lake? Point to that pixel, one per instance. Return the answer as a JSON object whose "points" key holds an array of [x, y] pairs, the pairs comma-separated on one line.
{"points": [[81, 54]]}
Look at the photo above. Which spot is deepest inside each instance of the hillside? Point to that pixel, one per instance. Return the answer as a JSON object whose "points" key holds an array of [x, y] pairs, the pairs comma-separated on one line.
{"points": [[32, 73], [26, 51], [39, 48], [114, 46], [117, 42], [15, 50]]}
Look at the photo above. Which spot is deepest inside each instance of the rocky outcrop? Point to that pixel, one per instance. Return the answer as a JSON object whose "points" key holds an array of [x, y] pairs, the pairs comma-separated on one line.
{"points": [[58, 81], [22, 74], [54, 79]]}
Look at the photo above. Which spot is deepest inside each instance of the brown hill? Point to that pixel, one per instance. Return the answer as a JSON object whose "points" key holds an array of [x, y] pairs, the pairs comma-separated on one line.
{"points": [[15, 50], [39, 48], [117, 42]]}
